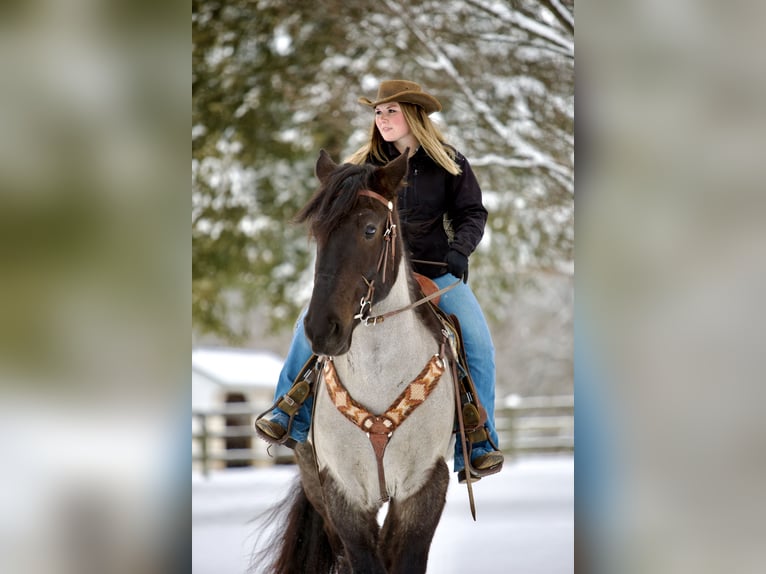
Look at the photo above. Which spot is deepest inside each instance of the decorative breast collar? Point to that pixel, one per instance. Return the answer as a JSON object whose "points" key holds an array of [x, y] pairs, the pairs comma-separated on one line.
{"points": [[379, 428]]}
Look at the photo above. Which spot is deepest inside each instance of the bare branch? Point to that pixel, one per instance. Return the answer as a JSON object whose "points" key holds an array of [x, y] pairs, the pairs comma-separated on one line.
{"points": [[521, 21], [527, 152], [561, 13]]}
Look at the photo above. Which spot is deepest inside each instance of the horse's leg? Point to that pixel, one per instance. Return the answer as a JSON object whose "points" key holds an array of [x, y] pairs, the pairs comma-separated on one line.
{"points": [[357, 528], [411, 523]]}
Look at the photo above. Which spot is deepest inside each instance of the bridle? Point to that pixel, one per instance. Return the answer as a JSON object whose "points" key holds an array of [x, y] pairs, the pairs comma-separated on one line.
{"points": [[389, 247], [379, 429], [389, 235]]}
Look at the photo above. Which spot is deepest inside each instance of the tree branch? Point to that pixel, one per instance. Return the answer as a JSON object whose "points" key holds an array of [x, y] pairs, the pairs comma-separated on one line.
{"points": [[523, 22], [561, 13], [528, 153]]}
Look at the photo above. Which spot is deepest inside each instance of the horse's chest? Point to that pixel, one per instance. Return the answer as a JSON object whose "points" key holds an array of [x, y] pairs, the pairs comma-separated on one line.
{"points": [[421, 435]]}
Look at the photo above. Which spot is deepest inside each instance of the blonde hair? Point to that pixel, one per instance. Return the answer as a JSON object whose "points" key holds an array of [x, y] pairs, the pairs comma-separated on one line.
{"points": [[425, 131]]}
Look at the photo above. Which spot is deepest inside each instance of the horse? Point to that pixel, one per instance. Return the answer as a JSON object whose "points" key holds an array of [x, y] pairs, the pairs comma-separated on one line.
{"points": [[385, 402]]}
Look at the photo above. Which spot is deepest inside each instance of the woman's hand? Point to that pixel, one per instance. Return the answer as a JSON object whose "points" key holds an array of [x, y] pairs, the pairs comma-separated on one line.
{"points": [[457, 264]]}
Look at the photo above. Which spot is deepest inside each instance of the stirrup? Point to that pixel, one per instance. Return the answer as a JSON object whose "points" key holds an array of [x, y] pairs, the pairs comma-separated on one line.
{"points": [[291, 402], [477, 436], [285, 439], [475, 433], [476, 474]]}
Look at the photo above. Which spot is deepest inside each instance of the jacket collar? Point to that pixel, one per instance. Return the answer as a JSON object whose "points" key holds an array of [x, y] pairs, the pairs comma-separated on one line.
{"points": [[393, 153]]}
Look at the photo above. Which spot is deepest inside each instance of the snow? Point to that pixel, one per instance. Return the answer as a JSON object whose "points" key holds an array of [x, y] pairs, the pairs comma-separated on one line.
{"points": [[525, 519], [239, 367]]}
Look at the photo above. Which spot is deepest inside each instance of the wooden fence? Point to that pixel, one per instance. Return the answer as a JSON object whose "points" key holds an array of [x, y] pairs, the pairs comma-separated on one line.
{"points": [[536, 425], [525, 425]]}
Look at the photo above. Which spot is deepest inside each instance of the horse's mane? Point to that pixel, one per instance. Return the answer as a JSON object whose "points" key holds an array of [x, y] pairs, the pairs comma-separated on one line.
{"points": [[335, 199]]}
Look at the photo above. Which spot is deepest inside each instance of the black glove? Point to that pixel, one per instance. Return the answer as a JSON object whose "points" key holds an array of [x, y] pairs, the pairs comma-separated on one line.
{"points": [[457, 264]]}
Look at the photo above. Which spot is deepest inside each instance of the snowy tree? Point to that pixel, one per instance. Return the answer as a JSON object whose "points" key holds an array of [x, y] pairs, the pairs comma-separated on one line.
{"points": [[273, 82]]}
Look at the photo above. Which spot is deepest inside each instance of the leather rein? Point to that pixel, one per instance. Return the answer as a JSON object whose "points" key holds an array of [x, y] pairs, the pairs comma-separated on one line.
{"points": [[389, 236]]}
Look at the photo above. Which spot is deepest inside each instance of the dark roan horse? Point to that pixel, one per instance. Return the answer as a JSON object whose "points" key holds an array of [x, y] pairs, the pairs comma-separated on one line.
{"points": [[384, 404]]}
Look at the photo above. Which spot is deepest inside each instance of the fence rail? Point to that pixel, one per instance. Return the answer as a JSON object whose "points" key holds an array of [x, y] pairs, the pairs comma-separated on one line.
{"points": [[525, 425]]}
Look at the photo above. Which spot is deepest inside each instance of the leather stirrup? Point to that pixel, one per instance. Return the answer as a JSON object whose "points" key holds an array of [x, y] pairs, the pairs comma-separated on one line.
{"points": [[292, 401]]}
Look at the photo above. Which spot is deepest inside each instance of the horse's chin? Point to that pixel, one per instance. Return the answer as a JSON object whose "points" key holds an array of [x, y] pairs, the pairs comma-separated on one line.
{"points": [[331, 345], [328, 349]]}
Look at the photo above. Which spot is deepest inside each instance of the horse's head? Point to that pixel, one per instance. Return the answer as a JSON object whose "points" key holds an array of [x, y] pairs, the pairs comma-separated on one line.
{"points": [[351, 218]]}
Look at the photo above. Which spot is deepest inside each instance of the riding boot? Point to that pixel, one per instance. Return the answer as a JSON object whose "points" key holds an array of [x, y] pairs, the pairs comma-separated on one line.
{"points": [[269, 425]]}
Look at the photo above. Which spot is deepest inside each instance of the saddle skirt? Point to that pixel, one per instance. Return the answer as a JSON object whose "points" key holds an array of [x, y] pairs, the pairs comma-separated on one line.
{"points": [[427, 286]]}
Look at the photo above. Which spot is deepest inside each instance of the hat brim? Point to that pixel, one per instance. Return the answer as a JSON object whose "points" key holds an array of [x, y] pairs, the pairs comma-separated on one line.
{"points": [[426, 101]]}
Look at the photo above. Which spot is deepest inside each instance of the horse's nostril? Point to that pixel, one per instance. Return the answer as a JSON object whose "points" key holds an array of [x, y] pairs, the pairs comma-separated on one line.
{"points": [[334, 326]]}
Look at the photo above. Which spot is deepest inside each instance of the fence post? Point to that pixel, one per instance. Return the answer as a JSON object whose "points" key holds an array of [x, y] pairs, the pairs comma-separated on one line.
{"points": [[203, 444]]}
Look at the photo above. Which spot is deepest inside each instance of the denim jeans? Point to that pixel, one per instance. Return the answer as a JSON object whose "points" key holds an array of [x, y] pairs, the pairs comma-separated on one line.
{"points": [[479, 350]]}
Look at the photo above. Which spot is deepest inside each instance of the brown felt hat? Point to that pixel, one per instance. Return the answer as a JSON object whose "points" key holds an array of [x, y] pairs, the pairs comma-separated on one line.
{"points": [[403, 91]]}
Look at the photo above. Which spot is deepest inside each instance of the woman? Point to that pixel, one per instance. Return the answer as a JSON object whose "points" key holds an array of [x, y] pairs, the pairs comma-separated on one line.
{"points": [[440, 184]]}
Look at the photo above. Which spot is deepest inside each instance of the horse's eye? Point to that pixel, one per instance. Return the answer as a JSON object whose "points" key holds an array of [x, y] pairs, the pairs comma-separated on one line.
{"points": [[370, 230]]}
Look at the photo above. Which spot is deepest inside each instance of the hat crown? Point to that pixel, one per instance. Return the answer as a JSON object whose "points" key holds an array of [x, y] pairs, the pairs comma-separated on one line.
{"points": [[390, 88], [403, 91]]}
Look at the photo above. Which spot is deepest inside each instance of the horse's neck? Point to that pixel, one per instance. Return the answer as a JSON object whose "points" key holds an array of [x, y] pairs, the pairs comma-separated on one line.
{"points": [[384, 358], [399, 296]]}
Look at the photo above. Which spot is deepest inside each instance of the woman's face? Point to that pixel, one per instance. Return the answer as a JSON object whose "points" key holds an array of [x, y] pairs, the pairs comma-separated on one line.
{"points": [[390, 122]]}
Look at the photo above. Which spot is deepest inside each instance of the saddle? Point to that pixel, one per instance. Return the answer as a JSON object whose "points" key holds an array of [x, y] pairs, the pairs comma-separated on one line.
{"points": [[427, 286]]}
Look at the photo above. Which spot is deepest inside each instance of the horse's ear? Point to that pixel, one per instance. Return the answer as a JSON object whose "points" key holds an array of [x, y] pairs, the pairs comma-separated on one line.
{"points": [[325, 166], [391, 174]]}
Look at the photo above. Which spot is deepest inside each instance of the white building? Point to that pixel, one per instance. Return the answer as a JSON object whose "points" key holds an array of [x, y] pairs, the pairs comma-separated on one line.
{"points": [[226, 378]]}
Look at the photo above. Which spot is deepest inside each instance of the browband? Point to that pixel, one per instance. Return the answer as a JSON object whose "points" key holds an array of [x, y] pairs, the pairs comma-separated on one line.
{"points": [[380, 198]]}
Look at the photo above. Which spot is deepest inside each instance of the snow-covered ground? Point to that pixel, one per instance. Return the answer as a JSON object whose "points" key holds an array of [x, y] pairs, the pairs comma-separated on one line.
{"points": [[525, 519]]}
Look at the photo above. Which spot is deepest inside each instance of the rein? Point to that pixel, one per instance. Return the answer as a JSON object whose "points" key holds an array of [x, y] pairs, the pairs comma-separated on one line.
{"points": [[365, 304]]}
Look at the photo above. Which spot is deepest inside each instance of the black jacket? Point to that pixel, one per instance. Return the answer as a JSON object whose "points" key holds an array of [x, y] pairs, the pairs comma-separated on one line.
{"points": [[429, 194]]}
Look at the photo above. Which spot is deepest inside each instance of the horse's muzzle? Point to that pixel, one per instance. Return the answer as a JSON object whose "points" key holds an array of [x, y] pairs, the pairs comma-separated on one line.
{"points": [[327, 334]]}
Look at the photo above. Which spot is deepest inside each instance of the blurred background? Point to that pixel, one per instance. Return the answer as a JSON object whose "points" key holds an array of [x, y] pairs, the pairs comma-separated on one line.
{"points": [[94, 279], [670, 276]]}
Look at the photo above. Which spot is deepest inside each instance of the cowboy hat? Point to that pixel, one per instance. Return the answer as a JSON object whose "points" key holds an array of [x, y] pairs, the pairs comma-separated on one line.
{"points": [[403, 91]]}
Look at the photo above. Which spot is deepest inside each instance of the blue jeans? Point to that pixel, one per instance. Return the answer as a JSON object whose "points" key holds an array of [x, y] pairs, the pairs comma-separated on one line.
{"points": [[479, 350]]}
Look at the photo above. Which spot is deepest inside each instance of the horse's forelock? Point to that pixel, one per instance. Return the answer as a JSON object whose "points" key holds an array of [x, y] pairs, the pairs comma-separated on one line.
{"points": [[337, 198]]}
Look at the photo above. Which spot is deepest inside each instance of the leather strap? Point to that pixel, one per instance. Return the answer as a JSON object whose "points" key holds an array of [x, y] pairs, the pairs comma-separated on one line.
{"points": [[467, 382], [461, 428], [390, 234], [380, 428], [379, 434], [369, 193], [375, 319]]}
